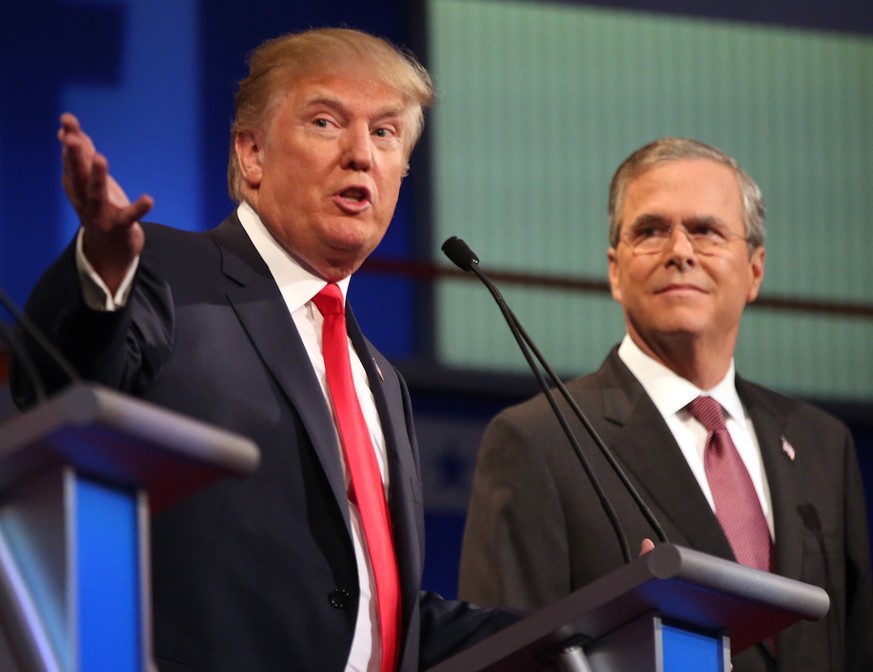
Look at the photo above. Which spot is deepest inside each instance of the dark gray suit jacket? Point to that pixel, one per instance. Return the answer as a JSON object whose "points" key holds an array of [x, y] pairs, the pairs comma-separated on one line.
{"points": [[536, 532], [257, 574]]}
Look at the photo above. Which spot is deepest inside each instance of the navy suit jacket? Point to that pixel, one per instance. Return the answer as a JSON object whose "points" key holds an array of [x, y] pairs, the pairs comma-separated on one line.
{"points": [[256, 574], [536, 532]]}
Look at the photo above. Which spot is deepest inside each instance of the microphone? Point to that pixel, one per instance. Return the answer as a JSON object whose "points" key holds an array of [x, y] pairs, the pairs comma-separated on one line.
{"points": [[462, 256], [23, 356]]}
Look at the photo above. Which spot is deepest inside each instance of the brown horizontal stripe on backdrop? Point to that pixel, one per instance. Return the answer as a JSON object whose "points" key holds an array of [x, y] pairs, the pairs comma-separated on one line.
{"points": [[423, 270]]}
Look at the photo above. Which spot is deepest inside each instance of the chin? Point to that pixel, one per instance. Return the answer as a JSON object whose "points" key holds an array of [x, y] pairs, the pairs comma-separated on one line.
{"points": [[354, 237], [346, 260], [681, 330]]}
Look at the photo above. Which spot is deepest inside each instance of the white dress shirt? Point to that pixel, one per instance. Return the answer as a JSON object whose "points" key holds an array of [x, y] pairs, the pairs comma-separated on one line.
{"points": [[671, 394]]}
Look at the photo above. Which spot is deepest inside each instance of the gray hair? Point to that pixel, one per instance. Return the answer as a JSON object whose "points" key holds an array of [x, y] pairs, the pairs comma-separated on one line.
{"points": [[674, 149]]}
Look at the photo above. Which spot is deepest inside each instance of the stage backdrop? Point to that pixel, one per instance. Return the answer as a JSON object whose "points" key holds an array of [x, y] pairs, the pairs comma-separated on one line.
{"points": [[538, 102]]}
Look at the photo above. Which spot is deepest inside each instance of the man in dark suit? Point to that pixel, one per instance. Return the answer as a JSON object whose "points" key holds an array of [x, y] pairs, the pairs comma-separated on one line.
{"points": [[276, 572], [686, 255]]}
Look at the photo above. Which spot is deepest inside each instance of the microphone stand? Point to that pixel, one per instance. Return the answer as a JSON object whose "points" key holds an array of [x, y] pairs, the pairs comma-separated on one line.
{"points": [[460, 254]]}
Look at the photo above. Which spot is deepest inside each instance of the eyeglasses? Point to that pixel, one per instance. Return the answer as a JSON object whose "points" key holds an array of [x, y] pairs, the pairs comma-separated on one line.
{"points": [[705, 237]]}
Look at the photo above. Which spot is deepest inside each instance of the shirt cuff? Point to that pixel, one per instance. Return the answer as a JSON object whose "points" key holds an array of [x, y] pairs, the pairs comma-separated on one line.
{"points": [[95, 292]]}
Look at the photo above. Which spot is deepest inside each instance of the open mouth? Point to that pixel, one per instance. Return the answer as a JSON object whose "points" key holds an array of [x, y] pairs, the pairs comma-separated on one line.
{"points": [[355, 194], [353, 200]]}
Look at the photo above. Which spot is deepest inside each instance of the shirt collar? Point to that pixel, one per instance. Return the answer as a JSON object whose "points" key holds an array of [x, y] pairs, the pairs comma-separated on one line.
{"points": [[296, 283], [670, 392]]}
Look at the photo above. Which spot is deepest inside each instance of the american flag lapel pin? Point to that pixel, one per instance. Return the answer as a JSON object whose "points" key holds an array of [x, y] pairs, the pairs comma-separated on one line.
{"points": [[788, 449]]}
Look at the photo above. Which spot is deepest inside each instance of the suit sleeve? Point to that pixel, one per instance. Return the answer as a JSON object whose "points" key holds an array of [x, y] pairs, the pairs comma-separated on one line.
{"points": [[859, 583], [515, 550], [124, 349], [450, 626]]}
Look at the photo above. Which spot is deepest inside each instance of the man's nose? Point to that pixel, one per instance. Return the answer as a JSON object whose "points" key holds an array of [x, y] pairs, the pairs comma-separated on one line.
{"points": [[358, 148], [679, 246]]}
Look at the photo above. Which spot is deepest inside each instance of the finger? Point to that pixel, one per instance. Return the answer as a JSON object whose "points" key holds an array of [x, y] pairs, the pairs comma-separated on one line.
{"points": [[69, 120], [76, 157], [72, 155], [76, 172], [70, 131], [646, 546], [137, 210], [74, 142], [69, 123], [93, 210]]}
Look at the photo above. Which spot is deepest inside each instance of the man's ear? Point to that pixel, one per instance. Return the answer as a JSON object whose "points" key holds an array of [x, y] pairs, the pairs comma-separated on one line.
{"points": [[614, 272], [250, 158], [756, 273]]}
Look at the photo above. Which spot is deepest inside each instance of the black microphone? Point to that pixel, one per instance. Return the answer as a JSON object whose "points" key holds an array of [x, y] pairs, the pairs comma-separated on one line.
{"points": [[23, 356], [463, 257], [460, 254]]}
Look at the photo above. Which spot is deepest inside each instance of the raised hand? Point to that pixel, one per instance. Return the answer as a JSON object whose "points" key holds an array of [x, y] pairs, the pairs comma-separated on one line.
{"points": [[113, 237]]}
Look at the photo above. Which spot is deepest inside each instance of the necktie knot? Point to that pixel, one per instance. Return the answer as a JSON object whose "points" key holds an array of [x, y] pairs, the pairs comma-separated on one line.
{"points": [[329, 300], [707, 411]]}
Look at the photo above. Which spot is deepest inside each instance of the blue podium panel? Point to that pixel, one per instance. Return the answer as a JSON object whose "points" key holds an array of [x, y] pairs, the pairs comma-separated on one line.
{"points": [[649, 644], [74, 567], [36, 574], [107, 559], [685, 650]]}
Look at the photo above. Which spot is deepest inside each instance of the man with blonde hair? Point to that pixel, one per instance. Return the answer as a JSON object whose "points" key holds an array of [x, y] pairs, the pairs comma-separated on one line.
{"points": [[315, 562]]}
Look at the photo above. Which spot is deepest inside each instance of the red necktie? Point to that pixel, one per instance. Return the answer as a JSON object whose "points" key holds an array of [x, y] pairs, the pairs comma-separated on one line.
{"points": [[367, 489], [737, 506]]}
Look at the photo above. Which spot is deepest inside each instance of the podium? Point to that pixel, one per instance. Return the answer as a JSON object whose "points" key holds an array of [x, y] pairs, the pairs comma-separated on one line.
{"points": [[673, 609], [79, 477]]}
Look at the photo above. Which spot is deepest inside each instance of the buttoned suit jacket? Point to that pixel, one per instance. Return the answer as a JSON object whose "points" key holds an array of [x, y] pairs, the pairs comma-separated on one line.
{"points": [[535, 530], [256, 574]]}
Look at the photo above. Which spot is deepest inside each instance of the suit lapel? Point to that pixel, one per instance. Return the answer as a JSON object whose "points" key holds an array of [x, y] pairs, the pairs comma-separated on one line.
{"points": [[260, 308], [645, 446], [405, 488]]}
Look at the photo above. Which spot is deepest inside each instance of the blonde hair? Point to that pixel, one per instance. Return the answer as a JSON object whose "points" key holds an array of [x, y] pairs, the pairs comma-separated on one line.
{"points": [[278, 64]]}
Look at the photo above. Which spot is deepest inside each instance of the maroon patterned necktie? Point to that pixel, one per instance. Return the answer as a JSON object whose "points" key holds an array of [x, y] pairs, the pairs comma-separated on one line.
{"points": [[366, 481], [737, 506]]}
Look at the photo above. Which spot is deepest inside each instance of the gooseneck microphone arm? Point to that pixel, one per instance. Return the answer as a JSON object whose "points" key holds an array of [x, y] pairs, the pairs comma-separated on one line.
{"points": [[604, 449], [460, 253]]}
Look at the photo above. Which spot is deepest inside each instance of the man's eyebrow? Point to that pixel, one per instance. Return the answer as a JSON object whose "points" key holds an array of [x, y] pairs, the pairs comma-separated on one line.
{"points": [[647, 219], [326, 100], [319, 100], [650, 218], [706, 220]]}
